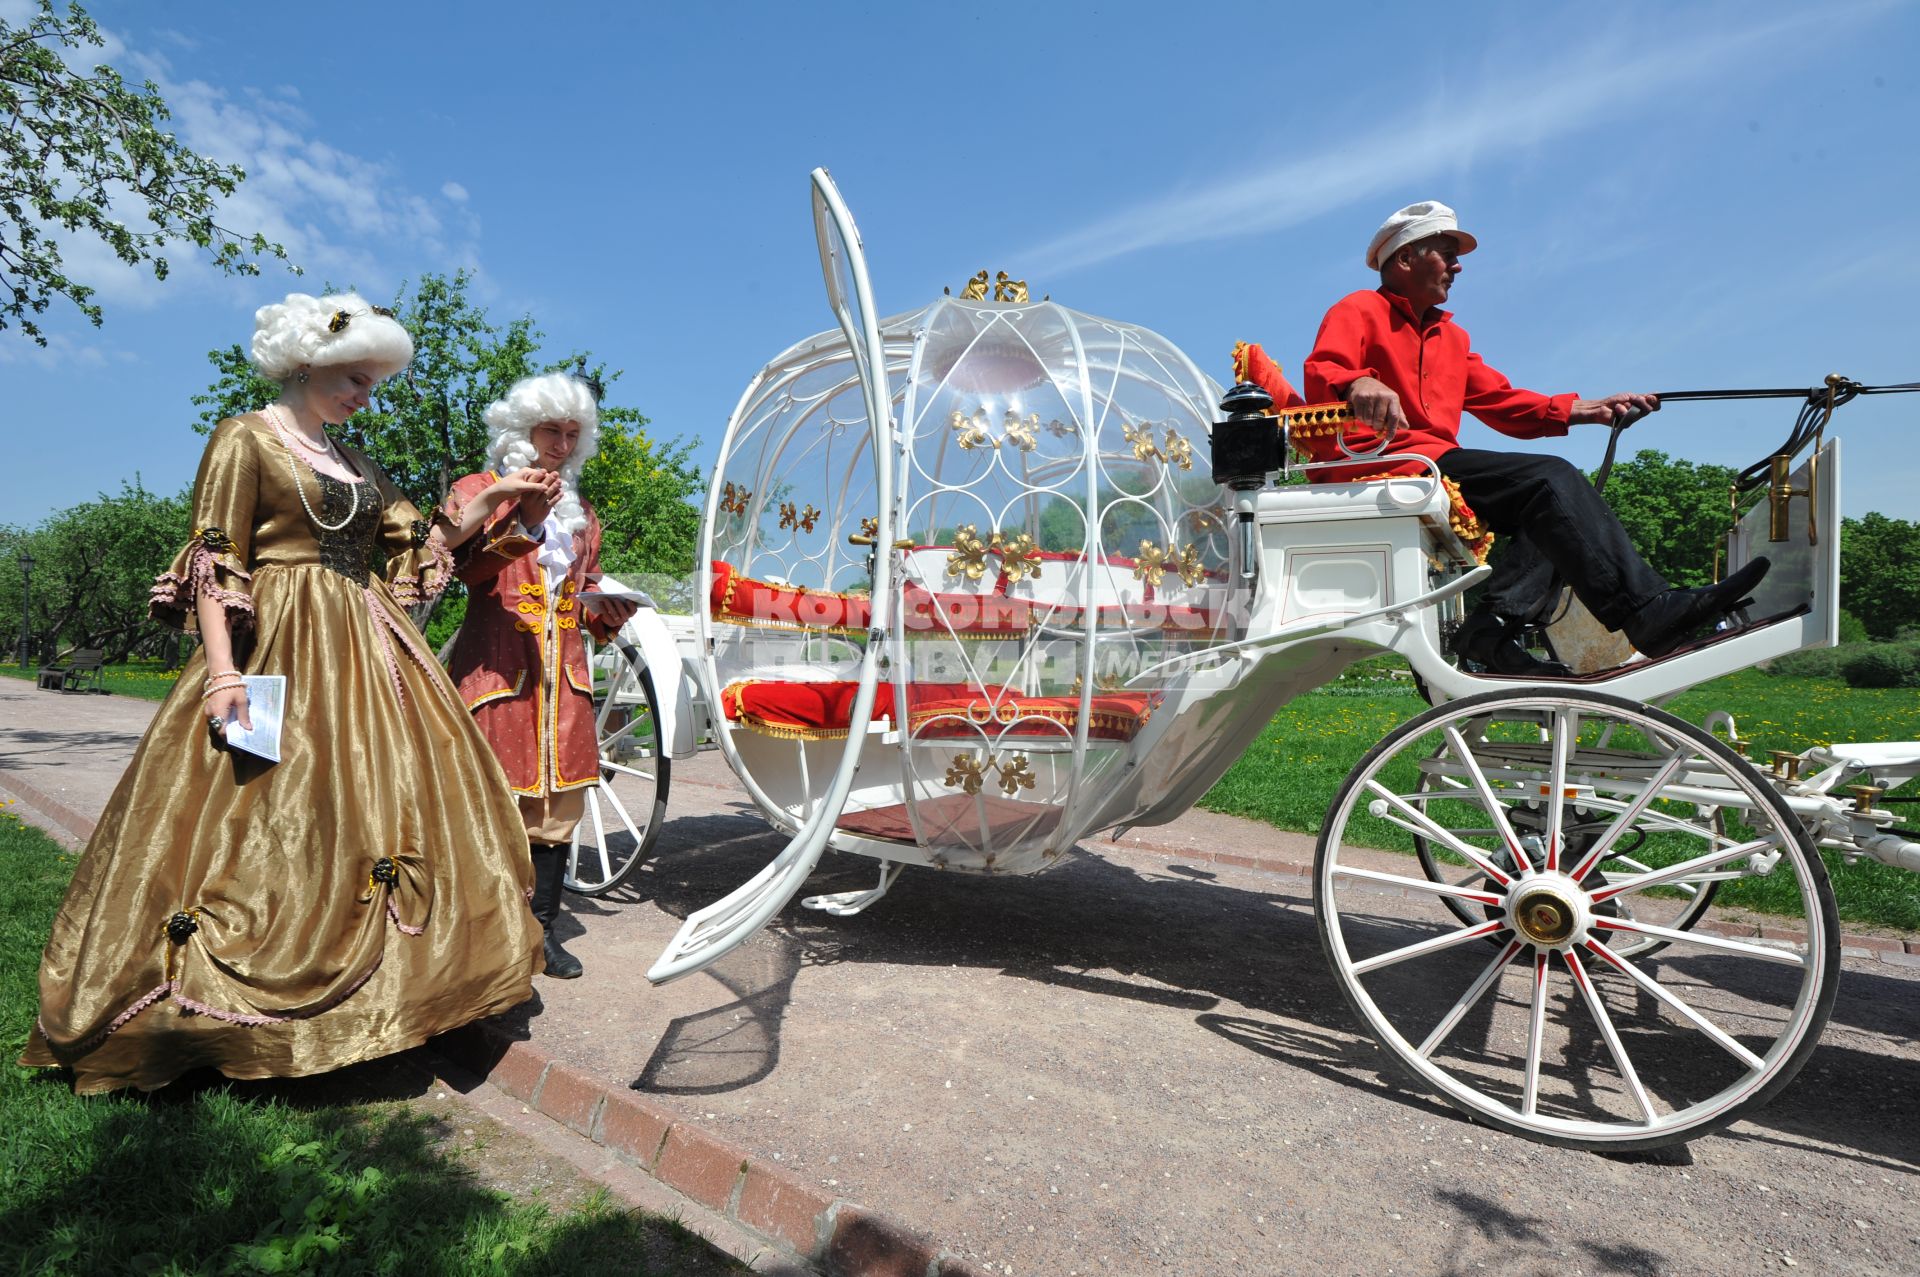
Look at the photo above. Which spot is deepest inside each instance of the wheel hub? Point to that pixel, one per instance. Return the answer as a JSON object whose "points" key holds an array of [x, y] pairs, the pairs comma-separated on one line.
{"points": [[1549, 911]]}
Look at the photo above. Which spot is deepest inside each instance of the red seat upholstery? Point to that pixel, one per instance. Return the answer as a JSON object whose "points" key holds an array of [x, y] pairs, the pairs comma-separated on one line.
{"points": [[823, 710]]}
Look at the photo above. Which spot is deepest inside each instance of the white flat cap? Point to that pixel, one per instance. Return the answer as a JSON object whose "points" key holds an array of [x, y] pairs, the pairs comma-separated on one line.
{"points": [[1416, 221]]}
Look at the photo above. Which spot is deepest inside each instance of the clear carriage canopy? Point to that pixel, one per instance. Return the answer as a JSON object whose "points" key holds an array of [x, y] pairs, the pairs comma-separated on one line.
{"points": [[1056, 542]]}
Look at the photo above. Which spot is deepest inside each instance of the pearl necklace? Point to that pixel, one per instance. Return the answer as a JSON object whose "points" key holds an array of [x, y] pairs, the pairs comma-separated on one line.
{"points": [[353, 489]]}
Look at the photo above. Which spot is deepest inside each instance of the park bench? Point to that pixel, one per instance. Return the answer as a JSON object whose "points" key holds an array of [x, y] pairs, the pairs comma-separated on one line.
{"points": [[82, 672]]}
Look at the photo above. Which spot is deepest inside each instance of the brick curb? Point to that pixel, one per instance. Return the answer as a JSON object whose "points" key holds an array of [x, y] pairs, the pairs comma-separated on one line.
{"points": [[829, 1234], [70, 821]]}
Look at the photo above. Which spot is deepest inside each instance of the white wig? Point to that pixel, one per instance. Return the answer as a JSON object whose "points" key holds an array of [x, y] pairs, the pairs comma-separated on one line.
{"points": [[553, 396], [316, 331]]}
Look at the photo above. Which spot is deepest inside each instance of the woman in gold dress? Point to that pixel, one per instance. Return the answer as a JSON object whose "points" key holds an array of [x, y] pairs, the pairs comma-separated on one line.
{"points": [[368, 890]]}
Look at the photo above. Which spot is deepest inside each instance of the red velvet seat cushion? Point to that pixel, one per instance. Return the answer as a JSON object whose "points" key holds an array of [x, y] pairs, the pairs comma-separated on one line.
{"points": [[823, 710]]}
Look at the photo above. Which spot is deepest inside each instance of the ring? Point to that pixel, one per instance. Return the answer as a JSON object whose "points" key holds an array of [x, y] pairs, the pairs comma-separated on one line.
{"points": [[215, 723]]}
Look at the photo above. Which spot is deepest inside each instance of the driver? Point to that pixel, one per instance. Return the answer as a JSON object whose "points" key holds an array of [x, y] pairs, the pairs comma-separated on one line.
{"points": [[1402, 364]]}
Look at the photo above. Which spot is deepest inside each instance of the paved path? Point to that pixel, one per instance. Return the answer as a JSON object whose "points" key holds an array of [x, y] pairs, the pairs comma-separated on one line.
{"points": [[1133, 1063]]}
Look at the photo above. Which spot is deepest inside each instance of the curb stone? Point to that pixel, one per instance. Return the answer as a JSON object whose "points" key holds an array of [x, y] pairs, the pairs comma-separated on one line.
{"points": [[831, 1235]]}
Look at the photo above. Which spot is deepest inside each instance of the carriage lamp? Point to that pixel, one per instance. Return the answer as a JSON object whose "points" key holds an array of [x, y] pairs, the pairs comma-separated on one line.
{"points": [[1246, 449], [25, 653]]}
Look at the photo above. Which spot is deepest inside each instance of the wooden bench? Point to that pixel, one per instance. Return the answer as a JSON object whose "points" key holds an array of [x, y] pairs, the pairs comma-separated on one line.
{"points": [[83, 667]]}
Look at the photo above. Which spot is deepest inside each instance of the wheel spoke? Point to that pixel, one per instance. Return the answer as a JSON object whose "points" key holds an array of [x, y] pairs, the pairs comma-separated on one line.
{"points": [[1766, 953], [1566, 732], [610, 765], [1609, 1034], [1536, 1033], [1720, 1036], [1434, 945], [1495, 808], [1626, 819], [1424, 824], [1421, 884], [1684, 869], [599, 834], [1475, 991], [620, 809]]}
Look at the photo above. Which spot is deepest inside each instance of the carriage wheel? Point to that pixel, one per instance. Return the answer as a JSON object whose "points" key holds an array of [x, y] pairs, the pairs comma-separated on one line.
{"points": [[625, 809], [1677, 906], [1566, 1032]]}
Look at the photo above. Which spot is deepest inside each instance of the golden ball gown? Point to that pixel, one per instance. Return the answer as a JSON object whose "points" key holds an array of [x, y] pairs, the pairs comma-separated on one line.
{"points": [[364, 893]]}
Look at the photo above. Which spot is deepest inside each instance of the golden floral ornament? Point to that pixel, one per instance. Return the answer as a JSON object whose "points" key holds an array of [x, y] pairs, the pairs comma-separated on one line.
{"points": [[976, 288], [1150, 565], [1061, 429], [339, 322], [1022, 433], [1008, 289], [968, 773], [870, 526], [972, 430], [1191, 570], [419, 530], [1140, 435], [1177, 450], [969, 557], [792, 516], [1019, 556], [965, 773], [215, 539], [734, 498]]}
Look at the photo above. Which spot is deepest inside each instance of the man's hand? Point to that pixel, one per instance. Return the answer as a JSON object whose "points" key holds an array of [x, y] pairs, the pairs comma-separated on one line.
{"points": [[614, 612], [537, 504], [1613, 408], [1376, 405]]}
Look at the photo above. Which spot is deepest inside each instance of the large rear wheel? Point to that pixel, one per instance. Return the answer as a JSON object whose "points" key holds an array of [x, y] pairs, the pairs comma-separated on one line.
{"points": [[626, 808], [1546, 992]]}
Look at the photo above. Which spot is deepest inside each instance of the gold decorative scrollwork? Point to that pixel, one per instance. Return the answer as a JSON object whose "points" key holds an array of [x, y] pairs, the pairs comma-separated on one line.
{"points": [[1103, 680], [1191, 570], [734, 498], [969, 557], [1177, 451], [976, 288], [968, 773], [1008, 289], [870, 526], [972, 430], [1023, 434], [1151, 564], [1141, 437], [1019, 556], [791, 517]]}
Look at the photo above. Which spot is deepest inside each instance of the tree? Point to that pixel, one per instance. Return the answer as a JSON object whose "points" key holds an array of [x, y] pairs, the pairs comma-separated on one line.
{"points": [[94, 565], [1675, 512], [76, 150], [1880, 573]]}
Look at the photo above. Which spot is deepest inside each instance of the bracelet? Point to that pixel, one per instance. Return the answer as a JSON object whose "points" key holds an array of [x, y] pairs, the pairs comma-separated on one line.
{"points": [[221, 674], [223, 687]]}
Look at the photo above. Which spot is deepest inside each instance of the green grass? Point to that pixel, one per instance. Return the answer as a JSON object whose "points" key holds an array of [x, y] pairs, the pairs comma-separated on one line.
{"points": [[1290, 775], [143, 679], [298, 1176]]}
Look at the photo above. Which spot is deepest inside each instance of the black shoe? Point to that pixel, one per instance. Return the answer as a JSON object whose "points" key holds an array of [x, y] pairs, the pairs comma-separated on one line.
{"points": [[1672, 617], [561, 965], [1488, 641], [549, 869]]}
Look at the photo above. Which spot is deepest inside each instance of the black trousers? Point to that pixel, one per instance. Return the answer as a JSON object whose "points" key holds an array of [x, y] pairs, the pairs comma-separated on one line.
{"points": [[1558, 525]]}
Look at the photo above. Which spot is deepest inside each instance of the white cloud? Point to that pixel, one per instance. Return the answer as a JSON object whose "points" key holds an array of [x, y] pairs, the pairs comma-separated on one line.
{"points": [[1603, 81], [342, 217]]}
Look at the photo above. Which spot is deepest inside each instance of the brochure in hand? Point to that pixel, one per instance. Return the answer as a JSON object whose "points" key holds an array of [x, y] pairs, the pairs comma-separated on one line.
{"points": [[266, 709]]}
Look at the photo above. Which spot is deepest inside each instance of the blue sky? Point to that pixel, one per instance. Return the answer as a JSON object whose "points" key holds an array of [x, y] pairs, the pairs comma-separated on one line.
{"points": [[1667, 197]]}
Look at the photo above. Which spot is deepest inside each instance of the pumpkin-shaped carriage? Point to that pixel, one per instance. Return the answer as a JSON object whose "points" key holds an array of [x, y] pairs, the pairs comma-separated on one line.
{"points": [[984, 579]]}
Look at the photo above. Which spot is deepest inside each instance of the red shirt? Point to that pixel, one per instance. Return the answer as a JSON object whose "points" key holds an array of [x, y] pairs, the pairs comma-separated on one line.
{"points": [[1433, 368]]}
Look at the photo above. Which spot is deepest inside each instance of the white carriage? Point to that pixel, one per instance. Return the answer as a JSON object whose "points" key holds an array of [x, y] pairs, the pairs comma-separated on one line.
{"points": [[969, 593]]}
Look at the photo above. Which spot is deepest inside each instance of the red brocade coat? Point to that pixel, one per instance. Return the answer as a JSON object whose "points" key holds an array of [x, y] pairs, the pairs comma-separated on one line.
{"points": [[518, 660]]}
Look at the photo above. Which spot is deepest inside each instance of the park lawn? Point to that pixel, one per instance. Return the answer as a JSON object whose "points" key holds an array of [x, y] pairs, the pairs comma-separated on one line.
{"points": [[1289, 776], [146, 680], [302, 1176]]}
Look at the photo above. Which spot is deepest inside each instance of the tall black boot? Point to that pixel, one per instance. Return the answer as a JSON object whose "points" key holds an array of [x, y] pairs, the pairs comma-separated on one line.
{"points": [[549, 867]]}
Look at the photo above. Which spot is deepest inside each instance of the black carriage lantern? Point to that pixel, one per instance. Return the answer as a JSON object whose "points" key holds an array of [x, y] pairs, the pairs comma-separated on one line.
{"points": [[25, 650]]}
